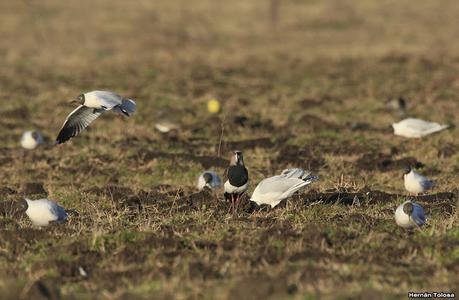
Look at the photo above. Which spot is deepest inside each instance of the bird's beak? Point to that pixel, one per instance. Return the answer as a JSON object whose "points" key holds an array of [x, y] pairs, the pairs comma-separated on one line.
{"points": [[73, 101]]}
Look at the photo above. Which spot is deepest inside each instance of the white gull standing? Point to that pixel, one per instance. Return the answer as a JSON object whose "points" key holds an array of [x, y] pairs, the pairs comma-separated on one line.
{"points": [[416, 183], [31, 140], [43, 212], [91, 106]]}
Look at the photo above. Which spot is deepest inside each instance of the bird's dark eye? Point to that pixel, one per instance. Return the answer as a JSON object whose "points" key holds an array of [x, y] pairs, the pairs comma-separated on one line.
{"points": [[407, 170]]}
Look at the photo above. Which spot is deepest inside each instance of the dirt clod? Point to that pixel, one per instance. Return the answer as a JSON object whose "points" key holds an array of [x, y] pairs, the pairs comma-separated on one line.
{"points": [[385, 162], [33, 188]]}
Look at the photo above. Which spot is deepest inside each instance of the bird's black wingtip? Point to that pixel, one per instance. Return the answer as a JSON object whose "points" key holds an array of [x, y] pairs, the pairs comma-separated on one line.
{"points": [[60, 140]]}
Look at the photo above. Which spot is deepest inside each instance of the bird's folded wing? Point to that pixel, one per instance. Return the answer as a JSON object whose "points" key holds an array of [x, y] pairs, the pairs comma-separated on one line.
{"points": [[293, 173], [278, 184], [423, 181], [418, 215], [419, 219], [58, 211], [427, 184], [422, 125], [76, 122]]}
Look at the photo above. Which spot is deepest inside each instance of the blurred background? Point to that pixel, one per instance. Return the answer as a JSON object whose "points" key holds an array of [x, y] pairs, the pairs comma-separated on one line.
{"points": [[180, 51], [90, 33]]}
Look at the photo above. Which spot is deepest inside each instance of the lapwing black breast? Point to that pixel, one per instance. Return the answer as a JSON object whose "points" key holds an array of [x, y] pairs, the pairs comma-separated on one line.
{"points": [[238, 175]]}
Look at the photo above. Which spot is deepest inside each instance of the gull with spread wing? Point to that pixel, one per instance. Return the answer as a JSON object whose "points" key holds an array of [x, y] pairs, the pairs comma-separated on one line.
{"points": [[91, 106]]}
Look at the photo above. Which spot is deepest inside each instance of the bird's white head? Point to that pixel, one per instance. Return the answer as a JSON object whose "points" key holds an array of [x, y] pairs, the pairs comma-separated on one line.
{"points": [[208, 179], [79, 100], [22, 205], [407, 171], [237, 158]]}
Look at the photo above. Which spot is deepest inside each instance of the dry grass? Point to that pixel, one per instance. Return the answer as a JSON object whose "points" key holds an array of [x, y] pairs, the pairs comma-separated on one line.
{"points": [[300, 84]]}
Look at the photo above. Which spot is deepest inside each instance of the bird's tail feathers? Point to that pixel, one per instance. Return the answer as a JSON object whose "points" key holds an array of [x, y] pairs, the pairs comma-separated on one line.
{"points": [[419, 221], [310, 178], [294, 173], [127, 107], [428, 184], [296, 187], [437, 128]]}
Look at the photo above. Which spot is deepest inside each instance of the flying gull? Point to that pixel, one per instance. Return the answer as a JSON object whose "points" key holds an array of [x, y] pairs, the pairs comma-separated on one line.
{"points": [[91, 106]]}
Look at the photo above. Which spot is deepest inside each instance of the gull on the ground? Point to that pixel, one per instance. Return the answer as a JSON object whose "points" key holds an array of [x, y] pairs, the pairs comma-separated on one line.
{"points": [[91, 106], [238, 180], [293, 173], [397, 105], [209, 179], [43, 212], [31, 139], [274, 189], [409, 215], [416, 128], [166, 126], [415, 183]]}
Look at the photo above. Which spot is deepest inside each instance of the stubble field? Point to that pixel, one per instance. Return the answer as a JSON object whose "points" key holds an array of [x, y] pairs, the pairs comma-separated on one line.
{"points": [[303, 85]]}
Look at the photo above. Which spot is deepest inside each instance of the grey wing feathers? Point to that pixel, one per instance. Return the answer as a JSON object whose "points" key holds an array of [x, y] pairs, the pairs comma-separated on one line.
{"points": [[59, 212], [76, 122], [418, 215], [310, 178], [419, 218], [277, 184], [110, 99], [293, 173], [427, 184], [297, 173], [129, 106], [216, 181]]}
